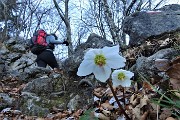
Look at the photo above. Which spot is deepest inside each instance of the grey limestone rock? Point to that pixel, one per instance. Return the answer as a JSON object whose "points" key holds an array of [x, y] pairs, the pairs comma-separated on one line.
{"points": [[141, 26]]}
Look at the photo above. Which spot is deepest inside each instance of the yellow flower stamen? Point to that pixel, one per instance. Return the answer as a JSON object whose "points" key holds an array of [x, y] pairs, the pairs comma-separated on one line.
{"points": [[100, 60], [121, 76]]}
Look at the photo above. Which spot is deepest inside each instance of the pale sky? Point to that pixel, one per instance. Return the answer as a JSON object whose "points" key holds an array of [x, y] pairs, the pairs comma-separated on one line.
{"points": [[173, 1]]}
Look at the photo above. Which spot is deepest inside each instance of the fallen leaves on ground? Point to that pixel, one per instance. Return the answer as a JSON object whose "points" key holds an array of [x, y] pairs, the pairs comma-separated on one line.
{"points": [[136, 102]]}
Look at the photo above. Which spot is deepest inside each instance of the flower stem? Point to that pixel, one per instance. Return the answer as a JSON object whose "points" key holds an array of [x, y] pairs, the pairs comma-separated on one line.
{"points": [[120, 106], [124, 100]]}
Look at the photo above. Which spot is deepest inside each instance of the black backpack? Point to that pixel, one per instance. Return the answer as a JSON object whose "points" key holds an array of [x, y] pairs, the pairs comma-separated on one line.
{"points": [[38, 42]]}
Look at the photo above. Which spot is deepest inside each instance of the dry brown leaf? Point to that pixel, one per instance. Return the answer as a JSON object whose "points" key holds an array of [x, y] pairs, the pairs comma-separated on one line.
{"points": [[106, 105], [6, 89], [97, 94], [174, 71], [146, 86], [165, 114], [134, 100], [14, 79], [22, 86], [145, 115], [170, 118], [60, 115], [78, 113], [40, 119], [103, 117], [14, 90], [1, 89], [154, 107], [99, 89], [155, 79], [131, 53], [162, 64], [63, 119], [154, 110], [144, 101], [107, 113], [176, 60], [174, 74], [177, 94], [175, 83], [136, 113]]}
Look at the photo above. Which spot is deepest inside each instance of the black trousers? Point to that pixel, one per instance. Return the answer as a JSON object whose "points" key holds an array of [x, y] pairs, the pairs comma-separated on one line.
{"points": [[47, 58]]}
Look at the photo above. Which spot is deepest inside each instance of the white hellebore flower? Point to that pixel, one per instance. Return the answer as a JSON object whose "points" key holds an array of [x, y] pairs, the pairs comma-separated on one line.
{"points": [[100, 62], [122, 77]]}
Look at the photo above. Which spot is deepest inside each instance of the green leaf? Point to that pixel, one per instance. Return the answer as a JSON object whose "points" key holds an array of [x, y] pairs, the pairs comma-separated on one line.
{"points": [[88, 115]]}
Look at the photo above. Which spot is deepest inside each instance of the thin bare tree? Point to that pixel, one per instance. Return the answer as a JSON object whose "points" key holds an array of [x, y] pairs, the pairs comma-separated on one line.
{"points": [[65, 18], [114, 12]]}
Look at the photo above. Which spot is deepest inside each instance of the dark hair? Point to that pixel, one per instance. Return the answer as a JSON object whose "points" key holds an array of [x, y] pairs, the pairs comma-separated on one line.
{"points": [[54, 36]]}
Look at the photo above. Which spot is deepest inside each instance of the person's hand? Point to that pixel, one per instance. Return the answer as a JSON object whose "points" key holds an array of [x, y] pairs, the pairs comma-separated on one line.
{"points": [[66, 42]]}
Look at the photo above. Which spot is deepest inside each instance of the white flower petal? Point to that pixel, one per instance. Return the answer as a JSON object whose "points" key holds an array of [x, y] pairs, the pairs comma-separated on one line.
{"points": [[129, 74], [110, 50], [126, 82], [115, 74], [102, 73], [116, 83], [86, 68], [89, 54], [115, 61]]}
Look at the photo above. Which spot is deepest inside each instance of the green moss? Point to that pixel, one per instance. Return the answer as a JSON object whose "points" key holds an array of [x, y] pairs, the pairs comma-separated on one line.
{"points": [[40, 114], [46, 103], [9, 48]]}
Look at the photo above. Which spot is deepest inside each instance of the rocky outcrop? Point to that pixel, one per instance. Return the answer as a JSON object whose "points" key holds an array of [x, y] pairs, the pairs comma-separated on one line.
{"points": [[142, 26], [35, 90], [94, 41], [146, 67], [15, 57]]}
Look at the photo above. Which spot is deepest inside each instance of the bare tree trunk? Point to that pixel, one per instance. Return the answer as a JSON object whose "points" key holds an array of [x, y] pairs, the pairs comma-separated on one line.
{"points": [[99, 17], [66, 20], [5, 30], [110, 21], [158, 4], [128, 10], [150, 3], [31, 16]]}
